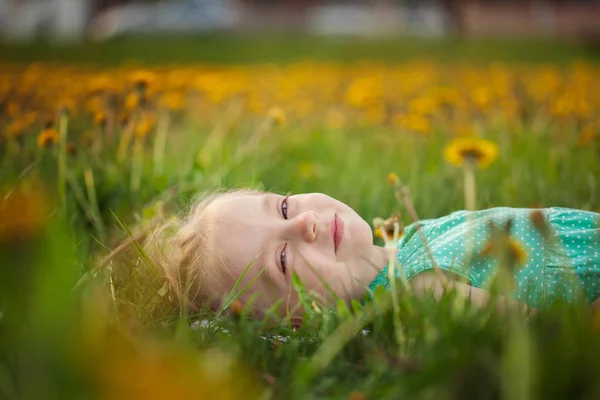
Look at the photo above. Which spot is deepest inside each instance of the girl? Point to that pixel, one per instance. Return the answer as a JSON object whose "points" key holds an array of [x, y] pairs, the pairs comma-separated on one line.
{"points": [[552, 253]]}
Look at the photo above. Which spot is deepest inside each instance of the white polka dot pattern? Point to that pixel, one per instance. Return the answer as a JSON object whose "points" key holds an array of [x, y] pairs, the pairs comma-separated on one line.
{"points": [[562, 265]]}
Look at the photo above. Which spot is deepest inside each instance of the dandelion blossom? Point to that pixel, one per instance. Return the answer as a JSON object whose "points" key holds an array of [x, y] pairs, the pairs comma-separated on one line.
{"points": [[47, 137], [478, 151], [278, 115]]}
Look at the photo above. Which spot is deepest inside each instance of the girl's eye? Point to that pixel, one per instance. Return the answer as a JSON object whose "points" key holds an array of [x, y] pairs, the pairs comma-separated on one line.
{"points": [[282, 259], [284, 207]]}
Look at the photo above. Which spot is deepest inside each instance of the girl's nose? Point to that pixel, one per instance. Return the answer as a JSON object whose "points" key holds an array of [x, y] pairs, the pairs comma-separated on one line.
{"points": [[304, 226]]}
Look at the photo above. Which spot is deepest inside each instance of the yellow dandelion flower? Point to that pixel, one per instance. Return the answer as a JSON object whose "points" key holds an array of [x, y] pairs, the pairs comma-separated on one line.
{"points": [[100, 83], [15, 129], [12, 109], [363, 92], [237, 307], [47, 137], [278, 115], [22, 215], [413, 122], [388, 226], [145, 125], [392, 178], [173, 101], [562, 106], [482, 97], [466, 149], [357, 396], [587, 135], [100, 119], [132, 101], [378, 233], [502, 245], [423, 106], [516, 252], [142, 79], [30, 118], [95, 104]]}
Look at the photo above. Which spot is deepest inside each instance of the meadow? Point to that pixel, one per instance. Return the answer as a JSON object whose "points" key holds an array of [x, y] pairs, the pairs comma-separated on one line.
{"points": [[102, 142]]}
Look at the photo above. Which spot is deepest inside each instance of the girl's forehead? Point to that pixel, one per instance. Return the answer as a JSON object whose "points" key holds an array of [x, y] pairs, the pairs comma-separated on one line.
{"points": [[235, 206]]}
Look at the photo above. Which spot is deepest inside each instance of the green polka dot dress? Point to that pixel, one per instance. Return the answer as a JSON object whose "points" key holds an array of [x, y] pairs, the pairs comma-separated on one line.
{"points": [[561, 264]]}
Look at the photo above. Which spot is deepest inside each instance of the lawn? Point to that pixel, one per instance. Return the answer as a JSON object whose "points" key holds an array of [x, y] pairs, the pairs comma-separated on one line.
{"points": [[101, 141]]}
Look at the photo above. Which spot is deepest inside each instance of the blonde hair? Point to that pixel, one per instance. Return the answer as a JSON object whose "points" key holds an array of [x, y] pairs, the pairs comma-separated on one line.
{"points": [[186, 252]]}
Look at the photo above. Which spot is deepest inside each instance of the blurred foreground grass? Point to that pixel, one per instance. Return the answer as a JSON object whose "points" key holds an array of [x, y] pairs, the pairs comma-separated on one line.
{"points": [[92, 155]]}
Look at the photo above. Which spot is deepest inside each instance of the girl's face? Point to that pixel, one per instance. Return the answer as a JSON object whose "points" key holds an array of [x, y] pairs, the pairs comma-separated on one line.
{"points": [[319, 238]]}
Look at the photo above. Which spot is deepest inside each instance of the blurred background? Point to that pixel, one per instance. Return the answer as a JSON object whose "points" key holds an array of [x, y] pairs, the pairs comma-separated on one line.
{"points": [[103, 19]]}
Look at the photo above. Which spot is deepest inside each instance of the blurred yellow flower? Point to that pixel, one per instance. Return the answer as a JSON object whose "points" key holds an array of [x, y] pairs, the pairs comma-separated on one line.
{"points": [[482, 97], [47, 137], [145, 125], [132, 101], [15, 129], [99, 83], [388, 226], [588, 134], [95, 104], [124, 367], [100, 119], [423, 106], [307, 170], [392, 178], [30, 118], [363, 92], [413, 122], [357, 396], [22, 214], [506, 246], [12, 109], [278, 115], [174, 100], [237, 307], [142, 79], [466, 149]]}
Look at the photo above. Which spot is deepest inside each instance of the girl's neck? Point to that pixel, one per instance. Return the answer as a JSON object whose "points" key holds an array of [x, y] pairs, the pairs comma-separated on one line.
{"points": [[378, 259]]}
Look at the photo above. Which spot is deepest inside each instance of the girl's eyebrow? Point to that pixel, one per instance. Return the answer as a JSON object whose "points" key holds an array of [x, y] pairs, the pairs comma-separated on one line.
{"points": [[269, 202]]}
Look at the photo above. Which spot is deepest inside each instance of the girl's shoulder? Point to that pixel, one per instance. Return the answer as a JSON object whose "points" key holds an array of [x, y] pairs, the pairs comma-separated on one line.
{"points": [[461, 217], [457, 222]]}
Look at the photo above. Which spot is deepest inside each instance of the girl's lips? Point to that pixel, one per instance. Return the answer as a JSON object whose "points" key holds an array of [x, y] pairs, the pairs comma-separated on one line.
{"points": [[337, 230]]}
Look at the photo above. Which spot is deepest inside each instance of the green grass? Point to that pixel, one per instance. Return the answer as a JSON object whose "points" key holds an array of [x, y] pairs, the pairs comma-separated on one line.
{"points": [[114, 333], [263, 48]]}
